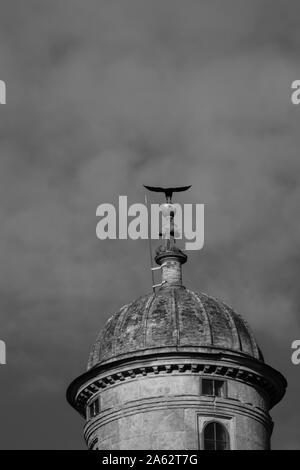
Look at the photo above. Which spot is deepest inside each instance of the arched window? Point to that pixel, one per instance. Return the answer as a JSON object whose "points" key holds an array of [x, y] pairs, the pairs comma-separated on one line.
{"points": [[215, 436]]}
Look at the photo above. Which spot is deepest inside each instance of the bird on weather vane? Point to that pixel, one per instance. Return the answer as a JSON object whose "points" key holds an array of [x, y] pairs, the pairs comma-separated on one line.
{"points": [[167, 191], [168, 209]]}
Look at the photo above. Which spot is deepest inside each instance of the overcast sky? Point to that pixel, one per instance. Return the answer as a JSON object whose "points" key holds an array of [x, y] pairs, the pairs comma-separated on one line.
{"points": [[102, 97]]}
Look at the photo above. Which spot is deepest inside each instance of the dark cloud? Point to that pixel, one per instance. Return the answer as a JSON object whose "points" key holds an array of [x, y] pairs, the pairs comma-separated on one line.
{"points": [[106, 96]]}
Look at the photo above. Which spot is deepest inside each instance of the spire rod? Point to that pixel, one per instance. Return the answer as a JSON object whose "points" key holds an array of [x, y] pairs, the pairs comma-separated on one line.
{"points": [[150, 250]]}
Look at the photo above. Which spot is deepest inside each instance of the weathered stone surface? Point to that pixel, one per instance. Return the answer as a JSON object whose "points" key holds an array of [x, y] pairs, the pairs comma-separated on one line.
{"points": [[168, 385], [251, 435], [168, 412], [173, 317], [246, 394]]}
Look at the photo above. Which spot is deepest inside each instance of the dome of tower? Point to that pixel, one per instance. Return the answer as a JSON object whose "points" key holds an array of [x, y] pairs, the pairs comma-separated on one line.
{"points": [[174, 319]]}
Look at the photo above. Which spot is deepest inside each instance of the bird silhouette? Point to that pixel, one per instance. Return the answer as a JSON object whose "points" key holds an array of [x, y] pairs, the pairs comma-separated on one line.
{"points": [[168, 191]]}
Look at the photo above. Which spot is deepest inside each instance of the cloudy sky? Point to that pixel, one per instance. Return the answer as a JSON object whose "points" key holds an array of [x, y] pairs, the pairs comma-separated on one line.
{"points": [[103, 96]]}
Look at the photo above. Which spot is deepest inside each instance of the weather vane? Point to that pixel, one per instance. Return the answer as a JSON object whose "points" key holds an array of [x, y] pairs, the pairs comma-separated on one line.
{"points": [[168, 209], [169, 229]]}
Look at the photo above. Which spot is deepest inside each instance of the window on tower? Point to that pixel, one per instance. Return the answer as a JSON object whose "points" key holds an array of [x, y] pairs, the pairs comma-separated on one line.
{"points": [[94, 408], [215, 437], [214, 387]]}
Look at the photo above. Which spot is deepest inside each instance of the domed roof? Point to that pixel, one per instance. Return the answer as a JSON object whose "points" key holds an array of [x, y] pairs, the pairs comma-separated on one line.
{"points": [[174, 319]]}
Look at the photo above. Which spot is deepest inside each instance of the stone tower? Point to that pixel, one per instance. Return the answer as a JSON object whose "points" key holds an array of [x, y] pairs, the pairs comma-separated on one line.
{"points": [[176, 369]]}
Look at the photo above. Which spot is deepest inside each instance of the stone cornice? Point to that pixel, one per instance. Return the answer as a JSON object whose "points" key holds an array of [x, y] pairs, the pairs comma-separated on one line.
{"points": [[249, 371]]}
